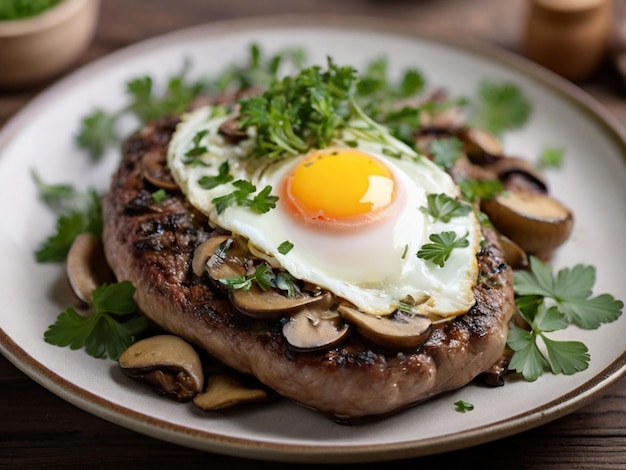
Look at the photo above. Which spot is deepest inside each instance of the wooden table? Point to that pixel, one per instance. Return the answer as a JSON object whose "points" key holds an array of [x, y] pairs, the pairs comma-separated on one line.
{"points": [[39, 429]]}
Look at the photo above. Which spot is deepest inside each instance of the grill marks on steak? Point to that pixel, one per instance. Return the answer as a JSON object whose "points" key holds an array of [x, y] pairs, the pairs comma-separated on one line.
{"points": [[152, 244]]}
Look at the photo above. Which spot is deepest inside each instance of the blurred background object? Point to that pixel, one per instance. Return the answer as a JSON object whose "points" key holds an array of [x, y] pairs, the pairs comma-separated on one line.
{"points": [[570, 37], [39, 44]]}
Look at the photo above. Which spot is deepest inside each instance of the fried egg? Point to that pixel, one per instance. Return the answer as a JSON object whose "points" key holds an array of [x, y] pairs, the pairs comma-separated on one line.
{"points": [[353, 214]]}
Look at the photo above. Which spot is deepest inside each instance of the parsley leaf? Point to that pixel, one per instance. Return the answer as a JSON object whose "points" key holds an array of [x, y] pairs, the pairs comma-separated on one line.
{"points": [[550, 157], [97, 132], [441, 247], [446, 151], [550, 303], [474, 190], [260, 203], [443, 207], [222, 177], [285, 247], [571, 291], [463, 406], [78, 213], [265, 278], [197, 149], [500, 107], [103, 333]]}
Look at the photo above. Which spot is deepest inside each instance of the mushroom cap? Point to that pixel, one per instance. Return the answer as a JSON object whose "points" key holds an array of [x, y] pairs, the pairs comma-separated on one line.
{"points": [[535, 221], [166, 361], [402, 330]]}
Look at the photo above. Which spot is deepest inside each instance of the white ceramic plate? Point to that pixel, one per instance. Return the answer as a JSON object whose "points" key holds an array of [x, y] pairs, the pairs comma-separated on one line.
{"points": [[592, 182]]}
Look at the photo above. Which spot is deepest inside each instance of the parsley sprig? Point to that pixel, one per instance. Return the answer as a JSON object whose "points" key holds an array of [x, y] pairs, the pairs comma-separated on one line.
{"points": [[444, 208], [264, 277], [111, 328], [77, 212], [441, 246], [500, 107], [550, 303], [260, 203]]}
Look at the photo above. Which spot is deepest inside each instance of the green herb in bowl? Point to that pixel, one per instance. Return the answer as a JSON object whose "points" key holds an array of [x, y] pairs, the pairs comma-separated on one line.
{"points": [[11, 10]]}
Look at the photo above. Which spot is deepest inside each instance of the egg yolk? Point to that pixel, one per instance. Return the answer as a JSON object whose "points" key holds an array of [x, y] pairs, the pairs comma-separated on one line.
{"points": [[340, 187]]}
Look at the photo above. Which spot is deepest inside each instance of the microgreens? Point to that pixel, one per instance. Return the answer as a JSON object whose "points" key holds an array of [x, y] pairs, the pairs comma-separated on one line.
{"points": [[102, 333], [441, 247]]}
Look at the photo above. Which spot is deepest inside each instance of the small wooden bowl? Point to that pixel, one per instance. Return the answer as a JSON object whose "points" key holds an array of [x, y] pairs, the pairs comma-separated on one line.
{"points": [[36, 49]]}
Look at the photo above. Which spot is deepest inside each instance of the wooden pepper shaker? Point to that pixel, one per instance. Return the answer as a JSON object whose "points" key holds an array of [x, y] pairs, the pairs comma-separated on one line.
{"points": [[570, 37]]}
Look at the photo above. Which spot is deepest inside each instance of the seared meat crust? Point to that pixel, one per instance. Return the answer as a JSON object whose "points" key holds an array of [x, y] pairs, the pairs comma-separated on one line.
{"points": [[152, 244]]}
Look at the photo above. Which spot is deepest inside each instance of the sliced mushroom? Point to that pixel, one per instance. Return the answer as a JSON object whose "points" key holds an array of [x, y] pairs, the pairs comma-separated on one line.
{"points": [[155, 171], [221, 257], [518, 173], [535, 221], [231, 131], [515, 256], [401, 330], [315, 327], [86, 267], [272, 303], [223, 391], [168, 363], [482, 147]]}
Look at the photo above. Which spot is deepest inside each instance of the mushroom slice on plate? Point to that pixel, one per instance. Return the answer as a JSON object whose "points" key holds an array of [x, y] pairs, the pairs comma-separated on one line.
{"points": [[481, 146], [535, 221], [155, 171], [519, 172], [401, 330], [223, 391], [168, 363], [86, 267], [316, 327], [272, 303]]}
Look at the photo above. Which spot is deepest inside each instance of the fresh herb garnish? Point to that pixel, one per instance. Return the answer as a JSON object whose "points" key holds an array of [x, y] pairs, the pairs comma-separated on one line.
{"points": [[19, 9], [159, 195], [550, 157], [463, 406], [111, 328], [475, 190], [77, 213], [500, 107], [299, 112], [197, 149], [446, 151], [97, 133], [265, 278], [285, 247], [443, 207], [440, 249], [260, 203], [550, 303], [222, 177]]}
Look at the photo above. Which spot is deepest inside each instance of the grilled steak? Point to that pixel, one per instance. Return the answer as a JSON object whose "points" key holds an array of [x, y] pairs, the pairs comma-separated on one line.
{"points": [[152, 245]]}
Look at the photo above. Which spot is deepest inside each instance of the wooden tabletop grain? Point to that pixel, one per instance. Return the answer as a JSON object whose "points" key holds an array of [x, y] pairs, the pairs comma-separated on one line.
{"points": [[39, 429]]}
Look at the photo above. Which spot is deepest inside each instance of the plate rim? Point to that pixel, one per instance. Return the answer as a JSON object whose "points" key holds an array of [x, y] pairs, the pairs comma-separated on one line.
{"points": [[272, 451]]}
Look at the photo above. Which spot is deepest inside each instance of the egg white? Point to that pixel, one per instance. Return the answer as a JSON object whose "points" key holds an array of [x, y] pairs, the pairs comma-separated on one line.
{"points": [[374, 267]]}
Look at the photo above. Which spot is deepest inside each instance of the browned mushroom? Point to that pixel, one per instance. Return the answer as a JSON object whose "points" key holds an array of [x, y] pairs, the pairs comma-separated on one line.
{"points": [[518, 173], [222, 257], [535, 221], [515, 256], [272, 303], [223, 391], [86, 267], [155, 171], [481, 146], [401, 330], [315, 327], [168, 363]]}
